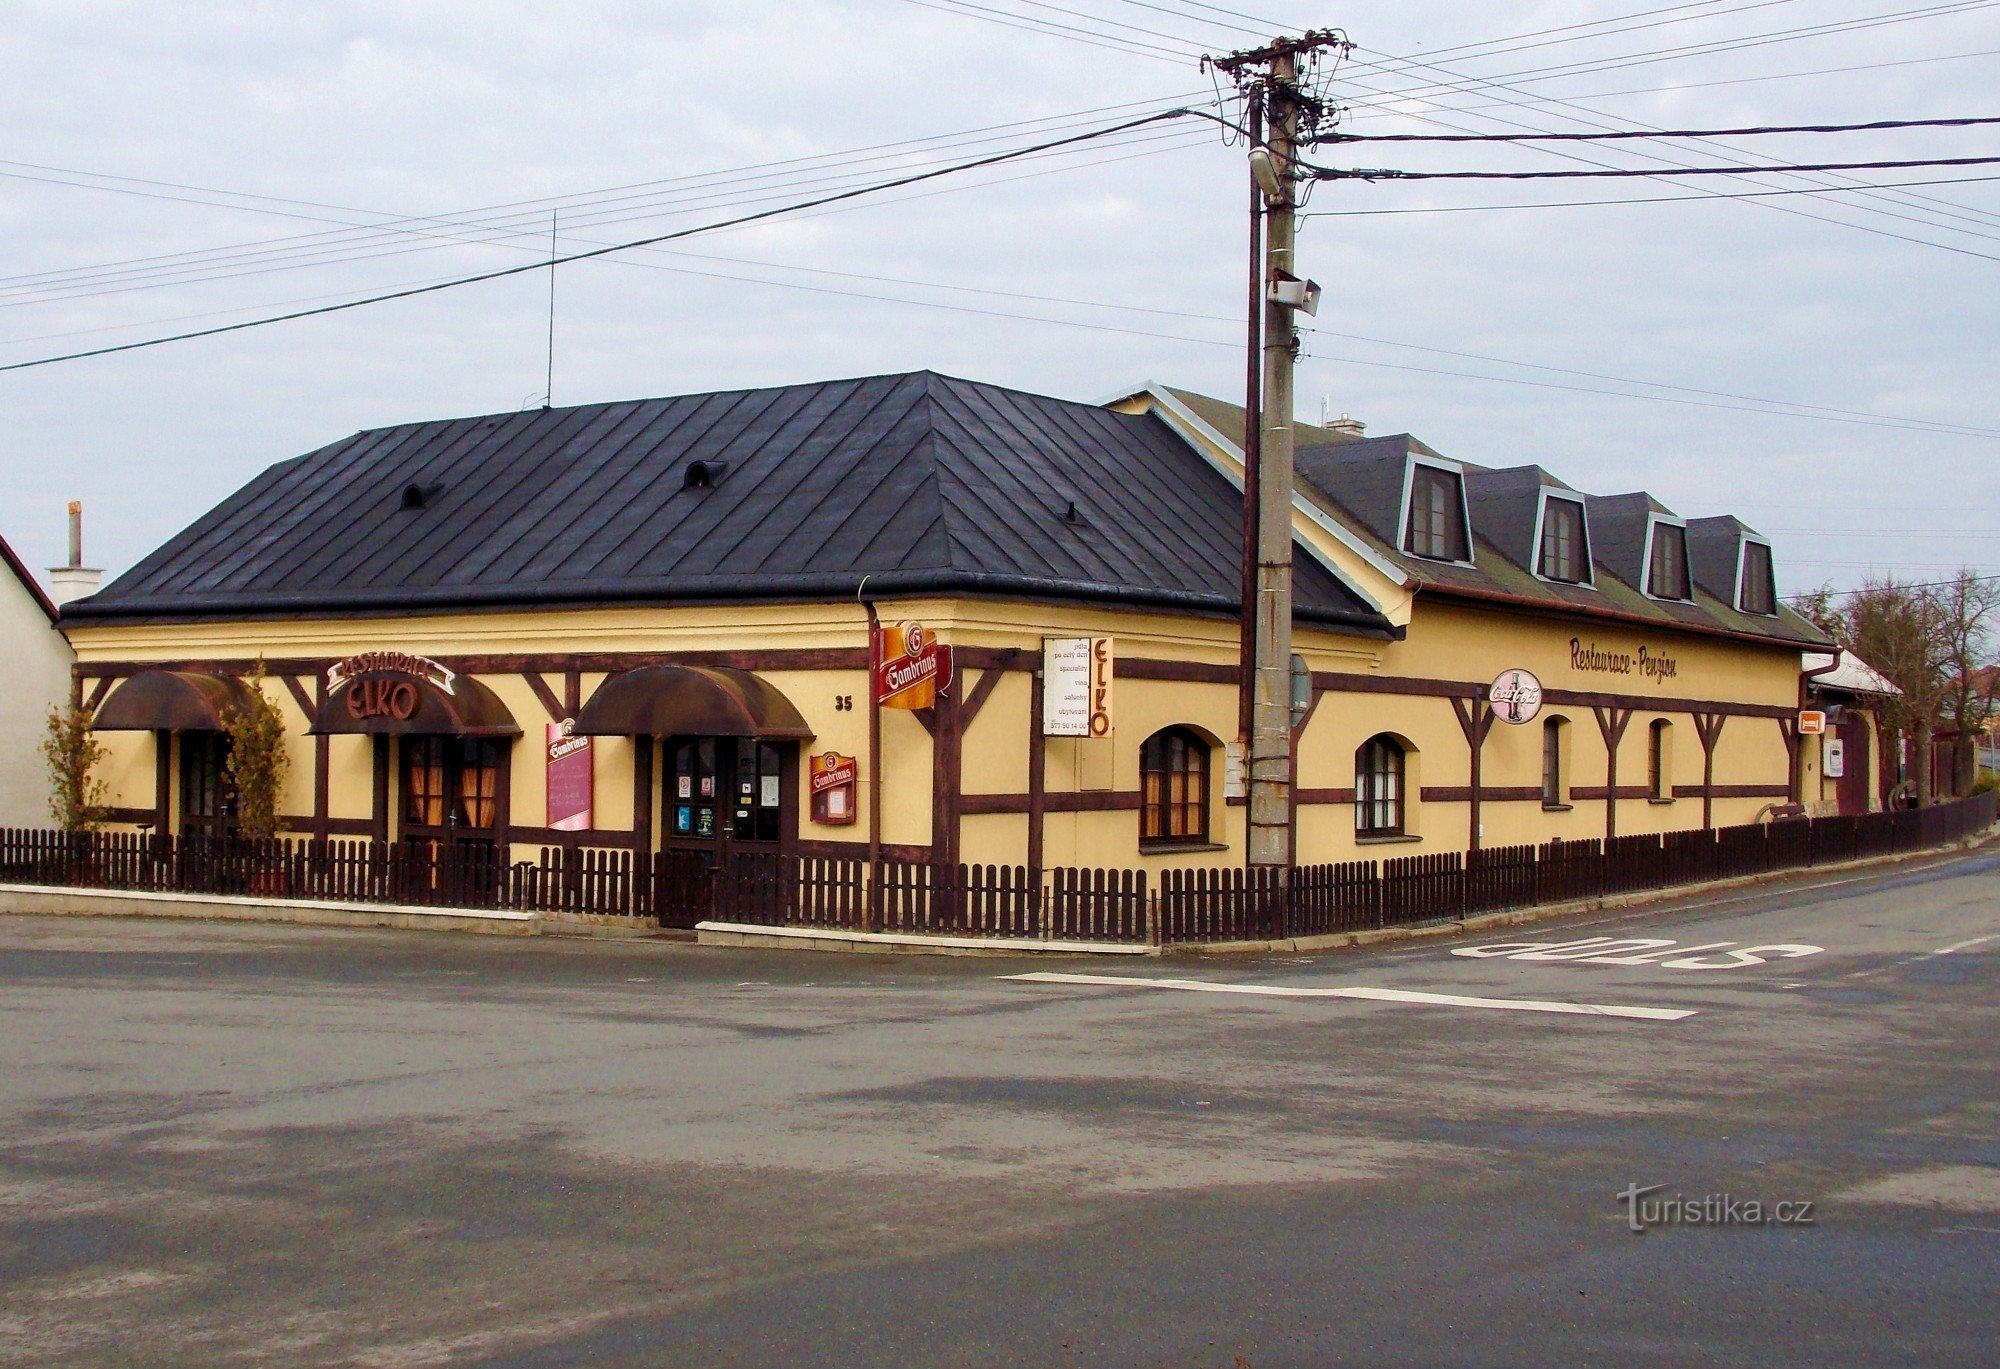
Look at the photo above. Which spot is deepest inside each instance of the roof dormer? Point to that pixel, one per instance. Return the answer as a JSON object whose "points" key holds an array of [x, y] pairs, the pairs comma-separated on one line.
{"points": [[1666, 561], [1733, 562], [1434, 523], [1534, 520]]}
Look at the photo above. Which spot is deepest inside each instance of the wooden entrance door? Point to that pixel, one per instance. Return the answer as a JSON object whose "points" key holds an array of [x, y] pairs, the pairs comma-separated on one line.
{"points": [[208, 801], [1854, 786], [452, 815], [729, 803]]}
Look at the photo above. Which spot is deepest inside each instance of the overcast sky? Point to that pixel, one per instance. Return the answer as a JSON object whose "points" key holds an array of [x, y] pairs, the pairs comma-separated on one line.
{"points": [[176, 166]]}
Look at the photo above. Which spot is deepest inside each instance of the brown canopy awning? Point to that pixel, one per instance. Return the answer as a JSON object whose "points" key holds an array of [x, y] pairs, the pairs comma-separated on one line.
{"points": [[392, 701], [690, 701], [169, 701]]}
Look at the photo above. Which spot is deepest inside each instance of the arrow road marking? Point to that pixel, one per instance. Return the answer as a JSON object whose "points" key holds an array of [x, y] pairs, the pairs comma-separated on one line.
{"points": [[1409, 996]]}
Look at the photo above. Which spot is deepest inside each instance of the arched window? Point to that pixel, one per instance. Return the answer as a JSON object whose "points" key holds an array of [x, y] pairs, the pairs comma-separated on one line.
{"points": [[1173, 782], [1378, 788], [1660, 760], [1555, 762]]}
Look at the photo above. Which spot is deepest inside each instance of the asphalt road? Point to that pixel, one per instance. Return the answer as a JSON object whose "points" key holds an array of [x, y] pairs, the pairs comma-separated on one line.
{"points": [[268, 1145]]}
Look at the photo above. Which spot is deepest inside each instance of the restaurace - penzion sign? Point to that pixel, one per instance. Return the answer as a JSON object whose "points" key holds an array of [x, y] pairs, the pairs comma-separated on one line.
{"points": [[1652, 665]]}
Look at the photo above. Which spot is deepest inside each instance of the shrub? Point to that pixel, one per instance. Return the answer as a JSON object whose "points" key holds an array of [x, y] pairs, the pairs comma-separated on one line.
{"points": [[257, 759], [76, 798]]}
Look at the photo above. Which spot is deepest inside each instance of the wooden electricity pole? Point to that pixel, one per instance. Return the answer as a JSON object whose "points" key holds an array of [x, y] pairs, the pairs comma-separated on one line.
{"points": [[1269, 79]]}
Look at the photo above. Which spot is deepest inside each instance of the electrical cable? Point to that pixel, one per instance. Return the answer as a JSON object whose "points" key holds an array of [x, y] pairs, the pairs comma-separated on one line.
{"points": [[1623, 134], [1387, 174], [526, 267], [1714, 197]]}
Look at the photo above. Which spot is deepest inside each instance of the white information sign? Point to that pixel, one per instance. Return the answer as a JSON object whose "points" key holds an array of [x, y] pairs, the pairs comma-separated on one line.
{"points": [[1076, 686], [1833, 757]]}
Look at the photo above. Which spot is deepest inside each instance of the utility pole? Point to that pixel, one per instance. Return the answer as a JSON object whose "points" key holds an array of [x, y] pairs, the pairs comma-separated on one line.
{"points": [[1269, 80]]}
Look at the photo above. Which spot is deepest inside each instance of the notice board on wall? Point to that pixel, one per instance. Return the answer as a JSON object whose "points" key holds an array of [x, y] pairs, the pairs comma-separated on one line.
{"points": [[1076, 686], [569, 778]]}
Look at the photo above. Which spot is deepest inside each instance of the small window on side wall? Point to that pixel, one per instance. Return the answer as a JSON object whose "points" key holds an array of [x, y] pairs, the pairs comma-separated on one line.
{"points": [[1173, 782], [1436, 526], [1555, 763], [1760, 591], [1565, 552], [1667, 573], [1660, 760], [1379, 788]]}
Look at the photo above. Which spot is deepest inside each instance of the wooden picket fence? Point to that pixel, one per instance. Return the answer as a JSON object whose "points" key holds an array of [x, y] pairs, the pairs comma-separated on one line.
{"points": [[1175, 907]]}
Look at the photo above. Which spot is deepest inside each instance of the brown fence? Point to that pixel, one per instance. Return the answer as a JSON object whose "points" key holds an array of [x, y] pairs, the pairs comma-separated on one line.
{"points": [[681, 888]]}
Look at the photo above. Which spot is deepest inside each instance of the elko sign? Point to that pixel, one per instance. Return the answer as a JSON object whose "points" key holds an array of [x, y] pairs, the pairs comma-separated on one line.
{"points": [[1076, 686], [373, 689]]}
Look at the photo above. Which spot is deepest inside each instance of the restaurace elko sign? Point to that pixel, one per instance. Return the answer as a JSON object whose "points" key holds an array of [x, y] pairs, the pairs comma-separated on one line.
{"points": [[369, 695]]}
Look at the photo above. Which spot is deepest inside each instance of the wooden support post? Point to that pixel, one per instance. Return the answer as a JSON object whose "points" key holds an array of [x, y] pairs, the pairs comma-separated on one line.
{"points": [[1611, 722], [1038, 791], [642, 797], [322, 769], [1475, 719], [1708, 727], [379, 810], [163, 782]]}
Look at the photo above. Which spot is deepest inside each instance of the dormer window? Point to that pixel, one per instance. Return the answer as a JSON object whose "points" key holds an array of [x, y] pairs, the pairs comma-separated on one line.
{"points": [[1756, 588], [1436, 525], [1565, 552], [1667, 563]]}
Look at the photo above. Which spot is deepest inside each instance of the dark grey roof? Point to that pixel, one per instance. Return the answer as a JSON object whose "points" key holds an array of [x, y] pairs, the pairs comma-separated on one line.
{"points": [[919, 482], [1368, 474], [1618, 532], [1505, 504], [1714, 546], [1360, 484]]}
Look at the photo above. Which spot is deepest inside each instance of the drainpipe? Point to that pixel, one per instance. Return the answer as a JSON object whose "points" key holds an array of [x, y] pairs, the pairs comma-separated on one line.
{"points": [[1806, 678], [874, 766]]}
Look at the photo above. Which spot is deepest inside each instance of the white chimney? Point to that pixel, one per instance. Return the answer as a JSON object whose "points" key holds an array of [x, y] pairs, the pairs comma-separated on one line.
{"points": [[75, 580], [1352, 427]]}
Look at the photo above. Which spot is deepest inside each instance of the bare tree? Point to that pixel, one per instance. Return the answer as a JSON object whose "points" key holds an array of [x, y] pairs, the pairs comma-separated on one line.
{"points": [[1930, 640], [1966, 606]]}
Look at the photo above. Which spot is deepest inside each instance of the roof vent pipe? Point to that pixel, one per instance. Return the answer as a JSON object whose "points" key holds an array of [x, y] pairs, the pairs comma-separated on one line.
{"points": [[75, 580]]}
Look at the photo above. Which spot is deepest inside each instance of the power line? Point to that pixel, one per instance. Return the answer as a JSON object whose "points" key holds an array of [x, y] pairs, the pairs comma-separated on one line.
{"points": [[1527, 99], [523, 215], [603, 251], [1926, 584], [1338, 137], [1711, 197], [1385, 174]]}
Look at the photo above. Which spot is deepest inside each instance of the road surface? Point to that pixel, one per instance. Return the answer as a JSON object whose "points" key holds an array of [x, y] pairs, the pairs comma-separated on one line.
{"points": [[228, 1144]]}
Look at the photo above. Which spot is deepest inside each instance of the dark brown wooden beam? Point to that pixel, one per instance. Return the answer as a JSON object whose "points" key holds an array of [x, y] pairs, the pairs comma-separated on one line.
{"points": [[550, 703]]}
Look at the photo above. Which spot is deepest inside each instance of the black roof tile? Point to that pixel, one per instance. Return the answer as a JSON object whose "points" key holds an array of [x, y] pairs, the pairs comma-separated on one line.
{"points": [[919, 482]]}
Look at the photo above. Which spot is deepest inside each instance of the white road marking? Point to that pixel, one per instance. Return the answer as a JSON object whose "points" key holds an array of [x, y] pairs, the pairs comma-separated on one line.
{"points": [[1605, 950], [1445, 1000], [1965, 945]]}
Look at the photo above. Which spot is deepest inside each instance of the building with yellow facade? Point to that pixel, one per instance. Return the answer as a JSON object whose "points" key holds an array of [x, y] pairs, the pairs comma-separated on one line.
{"points": [[656, 625]]}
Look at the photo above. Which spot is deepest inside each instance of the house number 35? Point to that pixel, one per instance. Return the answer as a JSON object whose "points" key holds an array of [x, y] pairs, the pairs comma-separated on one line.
{"points": [[843, 703]]}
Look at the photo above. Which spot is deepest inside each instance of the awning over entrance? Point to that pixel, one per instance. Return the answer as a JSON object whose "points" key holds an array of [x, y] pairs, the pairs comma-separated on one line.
{"points": [[402, 702], [690, 701], [169, 701]]}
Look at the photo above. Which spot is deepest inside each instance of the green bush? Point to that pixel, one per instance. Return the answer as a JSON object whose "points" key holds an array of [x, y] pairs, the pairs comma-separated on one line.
{"points": [[76, 799], [257, 759]]}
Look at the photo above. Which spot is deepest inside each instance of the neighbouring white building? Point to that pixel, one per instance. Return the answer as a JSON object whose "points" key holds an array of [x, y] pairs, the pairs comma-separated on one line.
{"points": [[37, 678]]}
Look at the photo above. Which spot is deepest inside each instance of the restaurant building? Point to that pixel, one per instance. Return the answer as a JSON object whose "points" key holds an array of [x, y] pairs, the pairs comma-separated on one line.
{"points": [[937, 620]]}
